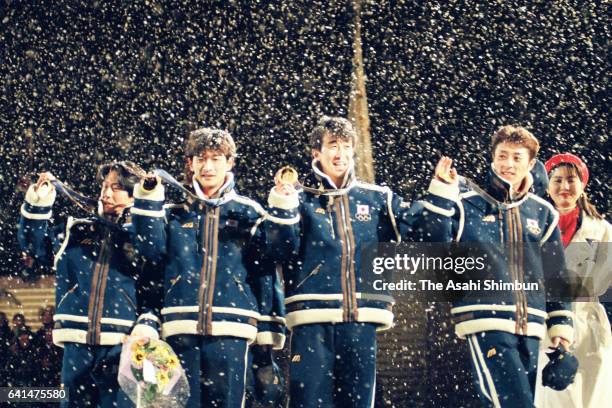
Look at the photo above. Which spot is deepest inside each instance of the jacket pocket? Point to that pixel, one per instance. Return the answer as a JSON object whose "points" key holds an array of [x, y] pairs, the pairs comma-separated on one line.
{"points": [[310, 275], [172, 285], [70, 291], [242, 290], [130, 301]]}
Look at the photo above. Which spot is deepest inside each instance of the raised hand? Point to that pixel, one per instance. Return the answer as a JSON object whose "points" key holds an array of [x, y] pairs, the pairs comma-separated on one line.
{"points": [[445, 172], [44, 186], [150, 181], [282, 186]]}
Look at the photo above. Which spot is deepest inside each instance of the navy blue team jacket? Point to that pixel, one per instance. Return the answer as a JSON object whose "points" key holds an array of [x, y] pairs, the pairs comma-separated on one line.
{"points": [[329, 227], [218, 280], [97, 301], [522, 243]]}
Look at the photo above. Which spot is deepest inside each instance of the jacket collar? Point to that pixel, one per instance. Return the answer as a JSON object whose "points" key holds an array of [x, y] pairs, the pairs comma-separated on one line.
{"points": [[124, 218], [589, 229], [502, 191], [225, 193], [321, 183]]}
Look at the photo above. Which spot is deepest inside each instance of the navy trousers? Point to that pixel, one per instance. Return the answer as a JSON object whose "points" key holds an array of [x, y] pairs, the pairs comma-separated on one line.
{"points": [[90, 375], [504, 368], [333, 365], [215, 367]]}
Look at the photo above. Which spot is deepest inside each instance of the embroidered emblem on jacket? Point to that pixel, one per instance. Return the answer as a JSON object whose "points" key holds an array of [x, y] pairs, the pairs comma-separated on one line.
{"points": [[87, 241], [363, 212], [488, 218], [491, 352], [296, 358], [363, 209], [320, 211], [533, 227], [187, 225]]}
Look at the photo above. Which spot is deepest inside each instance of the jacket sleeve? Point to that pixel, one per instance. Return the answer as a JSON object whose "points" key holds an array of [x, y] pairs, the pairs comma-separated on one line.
{"points": [[270, 297], [148, 217], [34, 235], [557, 282], [429, 219], [282, 226], [149, 296], [265, 279]]}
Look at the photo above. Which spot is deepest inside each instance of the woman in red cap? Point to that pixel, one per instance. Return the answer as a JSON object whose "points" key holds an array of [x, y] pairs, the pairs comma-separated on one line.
{"points": [[585, 236]]}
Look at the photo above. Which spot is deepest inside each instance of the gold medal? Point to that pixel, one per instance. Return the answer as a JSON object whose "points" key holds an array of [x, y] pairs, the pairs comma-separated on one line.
{"points": [[288, 175]]}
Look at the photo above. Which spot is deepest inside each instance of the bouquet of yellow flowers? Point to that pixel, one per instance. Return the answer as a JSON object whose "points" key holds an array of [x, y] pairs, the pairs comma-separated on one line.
{"points": [[150, 373]]}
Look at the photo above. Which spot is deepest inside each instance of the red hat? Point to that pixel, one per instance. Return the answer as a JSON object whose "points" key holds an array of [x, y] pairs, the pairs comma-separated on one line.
{"points": [[568, 158]]}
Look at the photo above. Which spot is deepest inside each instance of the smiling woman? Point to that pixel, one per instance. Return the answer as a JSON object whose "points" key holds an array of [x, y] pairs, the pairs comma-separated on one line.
{"points": [[586, 237]]}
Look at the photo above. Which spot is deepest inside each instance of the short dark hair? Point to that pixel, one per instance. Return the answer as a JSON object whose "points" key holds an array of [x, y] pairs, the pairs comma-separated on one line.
{"points": [[331, 125], [204, 139], [127, 178], [515, 135]]}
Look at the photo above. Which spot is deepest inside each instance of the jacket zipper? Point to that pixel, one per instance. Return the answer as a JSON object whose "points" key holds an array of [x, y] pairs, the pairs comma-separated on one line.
{"points": [[207, 281], [71, 290], [102, 259], [520, 271], [214, 230], [203, 295], [331, 225], [347, 270], [514, 272], [310, 275]]}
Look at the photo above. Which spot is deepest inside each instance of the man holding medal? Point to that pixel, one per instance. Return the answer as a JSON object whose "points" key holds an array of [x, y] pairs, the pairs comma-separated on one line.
{"points": [[219, 288], [332, 309], [98, 296]]}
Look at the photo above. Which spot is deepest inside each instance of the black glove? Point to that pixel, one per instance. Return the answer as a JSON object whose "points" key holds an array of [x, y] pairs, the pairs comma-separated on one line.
{"points": [[268, 379]]}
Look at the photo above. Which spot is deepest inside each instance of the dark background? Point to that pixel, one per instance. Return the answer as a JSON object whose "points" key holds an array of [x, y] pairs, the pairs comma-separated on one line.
{"points": [[83, 82]]}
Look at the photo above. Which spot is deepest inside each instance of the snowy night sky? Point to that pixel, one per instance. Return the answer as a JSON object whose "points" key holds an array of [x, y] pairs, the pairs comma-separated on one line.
{"points": [[84, 82]]}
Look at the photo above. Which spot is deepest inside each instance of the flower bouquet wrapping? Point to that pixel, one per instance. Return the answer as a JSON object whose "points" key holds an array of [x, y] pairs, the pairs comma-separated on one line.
{"points": [[151, 375]]}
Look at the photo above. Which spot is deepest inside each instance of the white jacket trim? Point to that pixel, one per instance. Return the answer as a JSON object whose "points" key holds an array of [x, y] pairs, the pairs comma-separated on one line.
{"points": [[276, 340], [149, 213], [494, 397], [561, 313], [365, 315], [438, 210], [69, 224], [148, 316], [441, 189], [276, 200], [273, 319], [480, 325], [283, 221], [313, 296], [157, 194], [562, 330], [216, 309], [242, 330], [32, 216], [61, 336], [337, 296], [85, 319], [398, 237], [504, 308]]}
